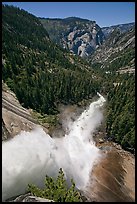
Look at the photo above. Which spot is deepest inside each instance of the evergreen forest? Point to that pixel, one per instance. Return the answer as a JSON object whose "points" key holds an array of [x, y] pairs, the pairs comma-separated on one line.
{"points": [[42, 75]]}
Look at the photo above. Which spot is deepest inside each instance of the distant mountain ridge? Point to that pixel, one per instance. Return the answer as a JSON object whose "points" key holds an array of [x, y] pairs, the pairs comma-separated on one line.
{"points": [[122, 28], [80, 36]]}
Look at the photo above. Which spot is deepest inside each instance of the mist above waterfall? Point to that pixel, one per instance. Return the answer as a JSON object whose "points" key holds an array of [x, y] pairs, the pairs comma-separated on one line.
{"points": [[29, 156]]}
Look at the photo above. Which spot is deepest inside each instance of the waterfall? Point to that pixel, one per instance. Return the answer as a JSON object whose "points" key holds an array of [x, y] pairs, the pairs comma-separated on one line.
{"points": [[30, 156]]}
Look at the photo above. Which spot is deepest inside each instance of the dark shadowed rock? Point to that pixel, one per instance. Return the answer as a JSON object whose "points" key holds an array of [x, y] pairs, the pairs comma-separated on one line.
{"points": [[5, 132]]}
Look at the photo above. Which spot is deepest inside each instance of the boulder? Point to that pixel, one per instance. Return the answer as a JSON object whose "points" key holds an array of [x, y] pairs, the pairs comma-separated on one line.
{"points": [[29, 198]]}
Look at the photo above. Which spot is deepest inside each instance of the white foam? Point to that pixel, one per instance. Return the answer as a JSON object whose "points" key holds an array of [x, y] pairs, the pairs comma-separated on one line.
{"points": [[29, 156]]}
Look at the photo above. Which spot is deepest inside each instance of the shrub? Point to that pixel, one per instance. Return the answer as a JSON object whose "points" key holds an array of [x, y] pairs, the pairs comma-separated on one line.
{"points": [[57, 190]]}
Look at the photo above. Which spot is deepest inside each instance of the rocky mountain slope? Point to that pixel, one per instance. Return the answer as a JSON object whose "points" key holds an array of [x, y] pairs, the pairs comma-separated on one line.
{"points": [[80, 36], [117, 53], [121, 27]]}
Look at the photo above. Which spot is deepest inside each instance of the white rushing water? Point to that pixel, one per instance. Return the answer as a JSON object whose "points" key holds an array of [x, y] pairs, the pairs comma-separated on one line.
{"points": [[29, 156]]}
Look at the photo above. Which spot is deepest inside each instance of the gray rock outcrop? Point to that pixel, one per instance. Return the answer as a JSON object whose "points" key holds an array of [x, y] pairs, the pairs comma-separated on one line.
{"points": [[15, 118], [29, 198], [80, 36]]}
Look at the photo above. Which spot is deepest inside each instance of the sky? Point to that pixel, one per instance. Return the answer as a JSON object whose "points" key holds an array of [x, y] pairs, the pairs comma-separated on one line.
{"points": [[104, 13]]}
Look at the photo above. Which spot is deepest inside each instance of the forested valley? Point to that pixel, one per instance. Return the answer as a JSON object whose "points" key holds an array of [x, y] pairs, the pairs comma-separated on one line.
{"points": [[42, 74]]}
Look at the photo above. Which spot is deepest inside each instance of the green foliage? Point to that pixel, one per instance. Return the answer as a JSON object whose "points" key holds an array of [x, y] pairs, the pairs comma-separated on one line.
{"points": [[56, 190], [122, 60], [121, 113], [44, 118]]}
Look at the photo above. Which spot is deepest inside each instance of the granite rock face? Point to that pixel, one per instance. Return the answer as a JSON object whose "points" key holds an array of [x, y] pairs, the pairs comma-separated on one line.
{"points": [[80, 36], [29, 198], [15, 118]]}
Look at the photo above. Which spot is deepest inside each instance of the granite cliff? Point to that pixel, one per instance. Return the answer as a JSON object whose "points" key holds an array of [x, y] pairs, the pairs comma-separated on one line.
{"points": [[80, 36]]}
